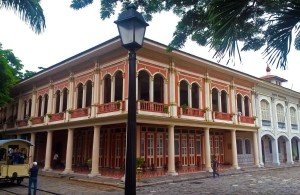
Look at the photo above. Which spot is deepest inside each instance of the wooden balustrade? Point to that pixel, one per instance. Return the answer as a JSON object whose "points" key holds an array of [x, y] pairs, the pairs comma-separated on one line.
{"points": [[111, 107], [222, 116], [56, 117], [22, 123], [37, 120], [154, 107], [80, 112], [247, 119]]}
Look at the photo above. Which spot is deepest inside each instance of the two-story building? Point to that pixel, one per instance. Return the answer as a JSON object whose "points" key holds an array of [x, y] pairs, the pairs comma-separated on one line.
{"points": [[188, 110]]}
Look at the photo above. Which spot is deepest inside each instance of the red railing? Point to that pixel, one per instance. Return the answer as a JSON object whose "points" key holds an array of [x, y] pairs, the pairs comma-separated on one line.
{"points": [[56, 117], [22, 123], [247, 119], [80, 112], [193, 112], [37, 120], [154, 107], [111, 107], [222, 116]]}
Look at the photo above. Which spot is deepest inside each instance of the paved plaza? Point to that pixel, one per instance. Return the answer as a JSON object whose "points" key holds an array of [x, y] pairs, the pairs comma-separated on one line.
{"points": [[276, 181]]}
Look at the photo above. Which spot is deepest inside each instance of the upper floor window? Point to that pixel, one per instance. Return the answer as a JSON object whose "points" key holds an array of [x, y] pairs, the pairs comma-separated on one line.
{"points": [[184, 86], [239, 100], [294, 123], [215, 101], [88, 93], [107, 88], [224, 98], [195, 95], [79, 95], [247, 106], [158, 88], [143, 85], [118, 86], [265, 113], [280, 116]]}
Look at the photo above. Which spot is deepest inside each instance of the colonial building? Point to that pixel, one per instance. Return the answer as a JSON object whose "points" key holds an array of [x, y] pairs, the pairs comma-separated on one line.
{"points": [[188, 110]]}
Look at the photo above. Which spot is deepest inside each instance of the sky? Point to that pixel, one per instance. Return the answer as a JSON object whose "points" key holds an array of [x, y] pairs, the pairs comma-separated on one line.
{"points": [[69, 32]]}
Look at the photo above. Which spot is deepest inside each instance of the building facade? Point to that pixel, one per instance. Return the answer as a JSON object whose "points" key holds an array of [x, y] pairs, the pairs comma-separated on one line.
{"points": [[188, 110]]}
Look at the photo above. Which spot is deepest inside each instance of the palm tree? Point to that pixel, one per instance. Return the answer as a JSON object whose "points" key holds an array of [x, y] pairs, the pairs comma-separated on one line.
{"points": [[29, 11]]}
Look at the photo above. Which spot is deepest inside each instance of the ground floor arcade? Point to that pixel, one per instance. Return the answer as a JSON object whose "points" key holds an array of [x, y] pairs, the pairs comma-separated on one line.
{"points": [[164, 149]]}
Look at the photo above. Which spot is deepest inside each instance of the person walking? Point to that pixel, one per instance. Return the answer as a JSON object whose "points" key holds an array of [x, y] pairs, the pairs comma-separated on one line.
{"points": [[33, 173], [215, 166], [55, 160]]}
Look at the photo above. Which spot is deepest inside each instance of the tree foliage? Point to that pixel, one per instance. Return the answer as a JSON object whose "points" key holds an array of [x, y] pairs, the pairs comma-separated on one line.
{"points": [[227, 26], [29, 11]]}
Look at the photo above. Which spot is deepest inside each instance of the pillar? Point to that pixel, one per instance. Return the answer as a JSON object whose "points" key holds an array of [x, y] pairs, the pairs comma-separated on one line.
{"points": [[71, 93], [61, 100], [172, 95], [219, 102], [233, 102], [43, 107], [96, 89], [289, 151], [31, 150], [255, 149], [275, 152], [171, 151], [151, 90], [48, 151], [112, 89], [84, 96], [207, 150], [243, 106], [298, 149], [27, 108], [190, 96], [20, 103], [234, 149], [260, 149], [33, 104], [50, 99], [95, 157], [165, 91], [207, 93], [69, 153]]}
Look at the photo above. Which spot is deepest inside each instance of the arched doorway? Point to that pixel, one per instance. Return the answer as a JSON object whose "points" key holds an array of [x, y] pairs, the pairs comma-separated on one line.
{"points": [[267, 142], [295, 148]]}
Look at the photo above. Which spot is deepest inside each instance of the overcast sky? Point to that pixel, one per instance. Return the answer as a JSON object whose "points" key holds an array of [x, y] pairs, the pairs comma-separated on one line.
{"points": [[69, 32]]}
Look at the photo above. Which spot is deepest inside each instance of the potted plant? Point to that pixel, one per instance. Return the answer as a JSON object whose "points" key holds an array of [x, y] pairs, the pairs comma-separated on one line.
{"points": [[166, 109], [49, 116], [118, 104], [184, 107]]}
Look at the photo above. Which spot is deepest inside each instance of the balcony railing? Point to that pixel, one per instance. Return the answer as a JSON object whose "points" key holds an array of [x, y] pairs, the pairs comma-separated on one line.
{"points": [[22, 123], [37, 120], [294, 126], [153, 107], [10, 125], [190, 112], [222, 116], [80, 112], [247, 119], [56, 117], [266, 123], [111, 107], [281, 125]]}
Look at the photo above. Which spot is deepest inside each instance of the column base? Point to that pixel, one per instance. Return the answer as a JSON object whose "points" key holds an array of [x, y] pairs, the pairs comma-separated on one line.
{"points": [[276, 163], [208, 169], [123, 178], [236, 167], [67, 171], [94, 174], [172, 173], [47, 169]]}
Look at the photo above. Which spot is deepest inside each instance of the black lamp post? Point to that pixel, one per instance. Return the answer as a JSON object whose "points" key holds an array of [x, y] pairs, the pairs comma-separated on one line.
{"points": [[132, 27]]}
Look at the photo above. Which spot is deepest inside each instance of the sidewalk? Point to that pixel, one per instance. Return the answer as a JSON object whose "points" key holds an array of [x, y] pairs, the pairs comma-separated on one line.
{"points": [[107, 181]]}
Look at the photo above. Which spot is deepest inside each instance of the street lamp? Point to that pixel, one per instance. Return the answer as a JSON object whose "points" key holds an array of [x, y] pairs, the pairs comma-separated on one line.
{"points": [[132, 27]]}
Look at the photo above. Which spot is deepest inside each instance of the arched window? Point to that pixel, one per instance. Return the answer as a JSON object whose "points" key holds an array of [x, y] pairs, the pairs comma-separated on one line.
{"points": [[239, 146], [293, 114], [265, 110], [280, 116], [107, 88], [118, 86], [184, 93], [25, 107], [143, 85], [158, 88], [79, 95], [46, 104], [88, 100], [195, 95], [224, 101], [29, 107], [246, 103], [215, 97], [65, 99], [57, 102], [239, 100], [247, 146], [40, 99]]}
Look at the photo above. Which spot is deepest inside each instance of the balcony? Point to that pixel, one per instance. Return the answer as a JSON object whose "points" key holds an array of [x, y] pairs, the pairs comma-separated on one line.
{"points": [[222, 116], [37, 120], [22, 123], [80, 112], [247, 119], [111, 107], [153, 107], [56, 117], [190, 112]]}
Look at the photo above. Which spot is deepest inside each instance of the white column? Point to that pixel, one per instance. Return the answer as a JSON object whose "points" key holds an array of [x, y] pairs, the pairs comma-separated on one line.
{"points": [[275, 152], [151, 91], [61, 101], [69, 152], [207, 150], [95, 157], [48, 151], [31, 150], [84, 96], [43, 106], [171, 151], [123, 87], [289, 152], [101, 94], [50, 99], [33, 104], [219, 102], [261, 163], [234, 150], [27, 108], [54, 103], [165, 91], [71, 94], [207, 98], [112, 89], [20, 103], [243, 106], [190, 96], [172, 95], [255, 149], [233, 102]]}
